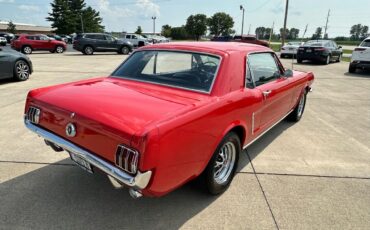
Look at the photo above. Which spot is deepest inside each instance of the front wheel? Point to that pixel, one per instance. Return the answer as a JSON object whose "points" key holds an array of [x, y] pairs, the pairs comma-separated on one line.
{"points": [[297, 113], [88, 50], [26, 50], [59, 49], [352, 69], [221, 168]]}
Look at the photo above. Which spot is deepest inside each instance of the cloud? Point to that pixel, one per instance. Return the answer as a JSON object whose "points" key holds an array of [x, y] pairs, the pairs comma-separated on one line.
{"points": [[148, 8], [29, 8], [6, 1]]}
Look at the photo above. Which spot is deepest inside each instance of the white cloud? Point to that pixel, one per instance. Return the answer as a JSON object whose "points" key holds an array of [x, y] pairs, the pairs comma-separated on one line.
{"points": [[6, 1], [29, 8], [148, 8]]}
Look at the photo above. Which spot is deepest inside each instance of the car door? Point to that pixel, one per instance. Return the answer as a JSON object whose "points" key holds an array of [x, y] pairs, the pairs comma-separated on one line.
{"points": [[267, 74], [111, 43], [101, 42], [6, 67]]}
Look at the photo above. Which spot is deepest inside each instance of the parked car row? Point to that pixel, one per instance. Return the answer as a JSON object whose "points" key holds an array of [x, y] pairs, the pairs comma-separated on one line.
{"points": [[7, 36]]}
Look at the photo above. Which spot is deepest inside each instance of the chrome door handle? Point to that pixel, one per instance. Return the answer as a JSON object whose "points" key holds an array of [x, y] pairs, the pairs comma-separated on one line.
{"points": [[266, 93]]}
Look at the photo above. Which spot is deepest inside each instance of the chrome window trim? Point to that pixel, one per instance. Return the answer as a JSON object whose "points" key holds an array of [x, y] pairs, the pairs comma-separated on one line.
{"points": [[209, 92]]}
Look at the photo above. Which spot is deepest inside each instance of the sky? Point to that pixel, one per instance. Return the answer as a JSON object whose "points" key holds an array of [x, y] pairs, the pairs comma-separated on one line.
{"points": [[126, 15]]}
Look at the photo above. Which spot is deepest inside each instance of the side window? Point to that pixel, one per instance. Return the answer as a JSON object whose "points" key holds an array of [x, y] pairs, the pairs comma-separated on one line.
{"points": [[100, 37], [263, 68], [128, 36], [30, 37], [44, 38], [109, 38], [134, 37]]}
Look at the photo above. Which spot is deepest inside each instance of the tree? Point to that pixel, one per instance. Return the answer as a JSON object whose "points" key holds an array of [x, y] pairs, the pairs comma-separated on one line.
{"points": [[364, 32], [166, 31], [196, 25], [317, 34], [139, 30], [11, 28], [179, 33], [286, 33], [260, 32], [221, 24], [67, 16], [293, 33]]}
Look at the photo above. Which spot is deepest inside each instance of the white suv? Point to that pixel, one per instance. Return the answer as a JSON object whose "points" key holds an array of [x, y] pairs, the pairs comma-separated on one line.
{"points": [[360, 57], [136, 39]]}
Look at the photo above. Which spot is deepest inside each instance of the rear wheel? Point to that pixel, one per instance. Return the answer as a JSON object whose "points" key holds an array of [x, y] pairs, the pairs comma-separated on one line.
{"points": [[327, 60], [21, 70], [221, 168], [351, 69], [125, 50], [297, 113], [26, 50], [339, 58], [88, 50]]}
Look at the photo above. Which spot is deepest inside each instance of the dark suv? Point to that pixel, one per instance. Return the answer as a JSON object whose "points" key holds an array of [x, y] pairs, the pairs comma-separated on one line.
{"points": [[97, 42]]}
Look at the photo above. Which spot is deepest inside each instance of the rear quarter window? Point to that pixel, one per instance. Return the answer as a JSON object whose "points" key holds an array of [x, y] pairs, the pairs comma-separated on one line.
{"points": [[365, 43]]}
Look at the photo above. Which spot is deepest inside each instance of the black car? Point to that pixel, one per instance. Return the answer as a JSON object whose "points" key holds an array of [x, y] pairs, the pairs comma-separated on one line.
{"points": [[14, 65], [324, 51], [97, 42]]}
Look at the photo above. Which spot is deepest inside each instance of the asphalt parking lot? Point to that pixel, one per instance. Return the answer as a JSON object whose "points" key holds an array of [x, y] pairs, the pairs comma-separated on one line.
{"points": [[314, 174]]}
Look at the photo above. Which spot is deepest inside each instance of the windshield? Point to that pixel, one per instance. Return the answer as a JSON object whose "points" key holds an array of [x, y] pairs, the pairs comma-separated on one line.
{"points": [[365, 43], [187, 70]]}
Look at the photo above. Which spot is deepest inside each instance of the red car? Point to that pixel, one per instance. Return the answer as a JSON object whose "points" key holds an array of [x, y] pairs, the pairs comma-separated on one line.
{"points": [[26, 43], [250, 39], [169, 113]]}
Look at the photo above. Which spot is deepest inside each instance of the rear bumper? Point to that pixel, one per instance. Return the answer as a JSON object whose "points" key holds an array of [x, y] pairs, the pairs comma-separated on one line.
{"points": [[360, 64], [139, 181], [312, 56]]}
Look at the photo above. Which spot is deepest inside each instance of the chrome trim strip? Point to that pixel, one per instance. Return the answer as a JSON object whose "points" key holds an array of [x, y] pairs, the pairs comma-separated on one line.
{"points": [[252, 131], [140, 181], [255, 139]]}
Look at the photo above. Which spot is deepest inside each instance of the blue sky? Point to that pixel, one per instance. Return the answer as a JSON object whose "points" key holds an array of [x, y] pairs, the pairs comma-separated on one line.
{"points": [[126, 15]]}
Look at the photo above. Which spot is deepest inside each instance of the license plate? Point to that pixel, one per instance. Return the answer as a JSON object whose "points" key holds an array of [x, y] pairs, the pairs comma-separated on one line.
{"points": [[308, 51], [291, 48], [81, 162]]}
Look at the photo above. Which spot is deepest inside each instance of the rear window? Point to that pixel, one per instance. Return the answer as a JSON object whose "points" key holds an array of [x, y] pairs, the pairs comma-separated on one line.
{"points": [[187, 70], [365, 43], [316, 43]]}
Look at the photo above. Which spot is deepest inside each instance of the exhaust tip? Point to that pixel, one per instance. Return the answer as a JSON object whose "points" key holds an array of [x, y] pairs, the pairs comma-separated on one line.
{"points": [[135, 193], [55, 147]]}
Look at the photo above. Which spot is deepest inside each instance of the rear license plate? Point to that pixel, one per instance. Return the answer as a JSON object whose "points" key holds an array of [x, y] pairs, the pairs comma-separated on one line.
{"points": [[81, 162], [291, 48], [308, 51]]}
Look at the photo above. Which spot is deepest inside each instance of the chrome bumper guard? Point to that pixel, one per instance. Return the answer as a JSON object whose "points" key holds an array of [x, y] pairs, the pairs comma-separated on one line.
{"points": [[140, 181]]}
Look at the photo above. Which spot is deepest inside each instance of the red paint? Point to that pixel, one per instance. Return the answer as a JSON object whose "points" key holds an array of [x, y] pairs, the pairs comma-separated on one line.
{"points": [[176, 131], [22, 41]]}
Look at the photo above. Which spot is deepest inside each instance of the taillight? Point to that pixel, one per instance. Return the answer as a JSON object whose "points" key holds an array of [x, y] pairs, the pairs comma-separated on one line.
{"points": [[33, 114], [360, 49], [127, 159], [320, 49]]}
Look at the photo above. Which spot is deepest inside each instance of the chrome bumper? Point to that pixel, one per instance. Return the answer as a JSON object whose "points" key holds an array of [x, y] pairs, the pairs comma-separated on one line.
{"points": [[140, 181]]}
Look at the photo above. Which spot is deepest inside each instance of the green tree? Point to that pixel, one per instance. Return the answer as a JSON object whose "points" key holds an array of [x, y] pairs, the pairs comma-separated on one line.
{"points": [[11, 28], [261, 32], [179, 33], [356, 31], [68, 16], [293, 33], [196, 25], [139, 30], [221, 24], [317, 34], [364, 32], [166, 31]]}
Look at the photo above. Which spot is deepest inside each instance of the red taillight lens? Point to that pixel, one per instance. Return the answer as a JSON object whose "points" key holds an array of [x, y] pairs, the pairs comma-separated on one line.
{"points": [[360, 49], [127, 159], [320, 49]]}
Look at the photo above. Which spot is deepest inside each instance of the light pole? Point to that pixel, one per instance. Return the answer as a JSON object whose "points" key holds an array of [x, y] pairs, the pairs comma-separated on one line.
{"points": [[82, 23], [242, 9], [154, 18]]}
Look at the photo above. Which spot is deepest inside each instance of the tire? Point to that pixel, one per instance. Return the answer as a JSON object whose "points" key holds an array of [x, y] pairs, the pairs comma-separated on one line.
{"points": [[339, 58], [351, 69], [217, 178], [88, 50], [299, 60], [327, 60], [281, 56], [59, 49], [297, 112], [26, 49], [21, 70], [124, 50]]}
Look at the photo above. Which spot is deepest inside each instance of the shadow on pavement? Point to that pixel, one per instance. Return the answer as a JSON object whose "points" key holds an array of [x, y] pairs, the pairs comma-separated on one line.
{"points": [[359, 73], [65, 197]]}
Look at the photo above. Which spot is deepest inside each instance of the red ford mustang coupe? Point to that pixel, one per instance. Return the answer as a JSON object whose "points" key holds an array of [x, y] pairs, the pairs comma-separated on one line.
{"points": [[170, 113]]}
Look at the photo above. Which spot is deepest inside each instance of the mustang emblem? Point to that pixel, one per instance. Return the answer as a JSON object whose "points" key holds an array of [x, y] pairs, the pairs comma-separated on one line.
{"points": [[70, 130]]}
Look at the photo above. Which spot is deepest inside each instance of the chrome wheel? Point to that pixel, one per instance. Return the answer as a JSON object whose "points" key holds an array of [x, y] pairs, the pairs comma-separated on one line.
{"points": [[89, 50], [125, 50], [27, 50], [22, 70], [301, 106], [224, 163], [59, 49]]}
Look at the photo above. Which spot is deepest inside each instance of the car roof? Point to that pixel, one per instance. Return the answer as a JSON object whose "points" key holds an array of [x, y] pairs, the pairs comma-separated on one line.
{"points": [[224, 47]]}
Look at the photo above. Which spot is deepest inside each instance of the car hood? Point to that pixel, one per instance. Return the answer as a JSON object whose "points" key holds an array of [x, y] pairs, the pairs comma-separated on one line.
{"points": [[113, 102]]}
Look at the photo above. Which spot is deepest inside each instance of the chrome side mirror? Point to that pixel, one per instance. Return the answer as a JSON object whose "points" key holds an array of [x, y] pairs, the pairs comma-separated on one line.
{"points": [[288, 73]]}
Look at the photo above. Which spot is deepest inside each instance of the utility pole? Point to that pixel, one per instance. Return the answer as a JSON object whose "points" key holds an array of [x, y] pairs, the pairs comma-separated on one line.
{"points": [[154, 18], [285, 19], [304, 33], [242, 9], [271, 31], [249, 30], [327, 21]]}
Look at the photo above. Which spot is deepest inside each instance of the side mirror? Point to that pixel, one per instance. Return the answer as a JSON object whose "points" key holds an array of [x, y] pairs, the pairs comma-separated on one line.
{"points": [[288, 73], [339, 47]]}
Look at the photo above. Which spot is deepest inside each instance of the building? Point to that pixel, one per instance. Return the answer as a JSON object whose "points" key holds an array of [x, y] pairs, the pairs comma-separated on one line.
{"points": [[26, 28]]}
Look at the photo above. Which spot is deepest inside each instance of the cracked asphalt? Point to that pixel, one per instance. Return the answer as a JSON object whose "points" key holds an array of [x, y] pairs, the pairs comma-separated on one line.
{"points": [[314, 174]]}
